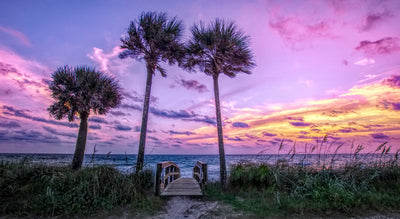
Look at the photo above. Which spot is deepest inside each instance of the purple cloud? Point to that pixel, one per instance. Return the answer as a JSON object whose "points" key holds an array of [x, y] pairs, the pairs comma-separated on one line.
{"points": [[27, 136], [10, 125], [97, 126], [117, 113], [393, 81], [153, 138], [379, 136], [172, 132], [97, 119], [136, 97], [385, 45], [56, 132], [131, 107], [9, 110], [236, 138], [373, 126], [347, 130], [193, 85], [5, 69], [268, 134], [295, 118], [300, 124], [122, 128], [396, 106], [240, 125], [204, 119], [171, 114], [373, 19], [137, 129]]}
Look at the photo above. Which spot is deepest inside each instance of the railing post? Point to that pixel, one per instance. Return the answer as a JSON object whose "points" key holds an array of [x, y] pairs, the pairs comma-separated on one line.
{"points": [[204, 170], [158, 178]]}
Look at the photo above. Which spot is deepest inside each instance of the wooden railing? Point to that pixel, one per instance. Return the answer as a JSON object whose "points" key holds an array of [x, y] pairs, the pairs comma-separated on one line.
{"points": [[200, 174], [166, 173]]}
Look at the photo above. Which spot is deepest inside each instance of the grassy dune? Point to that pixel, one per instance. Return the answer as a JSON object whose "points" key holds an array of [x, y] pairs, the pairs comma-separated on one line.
{"points": [[368, 182], [33, 189]]}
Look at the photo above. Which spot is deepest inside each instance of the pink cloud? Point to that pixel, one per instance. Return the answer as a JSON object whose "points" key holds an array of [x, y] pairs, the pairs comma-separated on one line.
{"points": [[104, 59], [295, 29], [385, 45], [20, 36]]}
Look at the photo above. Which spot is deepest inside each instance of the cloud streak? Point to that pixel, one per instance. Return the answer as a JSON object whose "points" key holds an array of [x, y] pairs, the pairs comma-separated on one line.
{"points": [[193, 85], [18, 35], [11, 111], [382, 46]]}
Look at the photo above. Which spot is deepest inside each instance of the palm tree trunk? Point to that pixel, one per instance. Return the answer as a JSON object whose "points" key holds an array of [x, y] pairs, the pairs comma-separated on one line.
{"points": [[80, 142], [143, 129], [222, 164]]}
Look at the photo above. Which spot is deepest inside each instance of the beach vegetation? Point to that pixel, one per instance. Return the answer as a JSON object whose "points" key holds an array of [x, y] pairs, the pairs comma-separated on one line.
{"points": [[367, 183], [28, 189]]}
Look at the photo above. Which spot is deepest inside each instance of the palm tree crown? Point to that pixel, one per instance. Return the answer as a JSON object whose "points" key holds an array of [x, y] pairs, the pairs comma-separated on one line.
{"points": [[219, 48], [81, 89], [153, 38]]}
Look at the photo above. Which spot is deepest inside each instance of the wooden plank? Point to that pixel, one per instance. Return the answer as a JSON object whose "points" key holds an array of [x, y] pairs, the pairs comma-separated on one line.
{"points": [[183, 187]]}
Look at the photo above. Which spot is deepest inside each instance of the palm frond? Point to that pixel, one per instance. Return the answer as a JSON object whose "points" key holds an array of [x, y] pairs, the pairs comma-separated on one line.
{"points": [[80, 90], [219, 48], [154, 37]]}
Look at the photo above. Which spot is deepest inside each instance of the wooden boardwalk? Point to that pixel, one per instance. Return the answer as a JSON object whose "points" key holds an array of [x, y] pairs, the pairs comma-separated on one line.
{"points": [[169, 183], [183, 187]]}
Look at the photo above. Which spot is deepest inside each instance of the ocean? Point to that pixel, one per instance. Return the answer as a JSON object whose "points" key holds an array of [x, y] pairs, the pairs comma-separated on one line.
{"points": [[126, 163]]}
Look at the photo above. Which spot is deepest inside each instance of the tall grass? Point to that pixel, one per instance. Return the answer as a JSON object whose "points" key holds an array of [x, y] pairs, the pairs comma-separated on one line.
{"points": [[369, 181], [42, 190]]}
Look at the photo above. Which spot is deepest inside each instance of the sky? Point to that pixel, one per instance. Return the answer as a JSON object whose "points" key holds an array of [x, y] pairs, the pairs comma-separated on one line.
{"points": [[323, 68]]}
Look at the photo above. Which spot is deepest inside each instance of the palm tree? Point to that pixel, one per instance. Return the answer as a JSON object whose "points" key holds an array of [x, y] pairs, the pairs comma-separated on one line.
{"points": [[77, 91], [153, 38], [219, 48]]}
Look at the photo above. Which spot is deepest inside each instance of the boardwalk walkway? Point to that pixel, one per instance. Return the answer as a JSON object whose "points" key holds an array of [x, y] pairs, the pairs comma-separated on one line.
{"points": [[183, 187], [169, 183]]}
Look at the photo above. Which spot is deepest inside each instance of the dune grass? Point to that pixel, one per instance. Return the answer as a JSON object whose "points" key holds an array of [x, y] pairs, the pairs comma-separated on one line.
{"points": [[281, 189], [43, 190]]}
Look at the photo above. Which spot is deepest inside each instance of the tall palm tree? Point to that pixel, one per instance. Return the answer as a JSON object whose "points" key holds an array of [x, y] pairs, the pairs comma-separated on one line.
{"points": [[77, 91], [219, 48], [154, 38]]}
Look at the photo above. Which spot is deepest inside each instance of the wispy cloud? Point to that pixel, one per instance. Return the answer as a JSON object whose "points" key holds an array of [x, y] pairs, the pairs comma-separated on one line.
{"points": [[17, 34], [365, 61], [104, 59]]}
